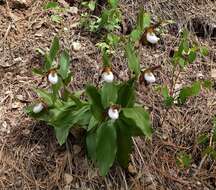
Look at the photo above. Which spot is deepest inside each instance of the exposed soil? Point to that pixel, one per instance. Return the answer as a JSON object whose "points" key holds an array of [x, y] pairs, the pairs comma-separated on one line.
{"points": [[30, 157]]}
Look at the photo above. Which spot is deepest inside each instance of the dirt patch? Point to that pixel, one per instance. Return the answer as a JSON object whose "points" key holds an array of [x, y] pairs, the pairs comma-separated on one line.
{"points": [[30, 157]]}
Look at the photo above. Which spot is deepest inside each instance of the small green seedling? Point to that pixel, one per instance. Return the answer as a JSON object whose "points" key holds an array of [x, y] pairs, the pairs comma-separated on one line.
{"points": [[207, 142], [183, 160], [185, 54], [56, 11], [108, 20]]}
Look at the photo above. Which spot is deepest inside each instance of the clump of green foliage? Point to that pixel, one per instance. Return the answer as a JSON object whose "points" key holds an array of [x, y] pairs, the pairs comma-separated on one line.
{"points": [[108, 112], [207, 142], [108, 137], [56, 11], [108, 20]]}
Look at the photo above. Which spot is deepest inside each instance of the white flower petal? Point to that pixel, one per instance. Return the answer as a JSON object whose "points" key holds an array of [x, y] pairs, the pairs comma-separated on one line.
{"points": [[149, 77], [108, 77], [53, 78], [152, 38], [113, 113], [38, 108]]}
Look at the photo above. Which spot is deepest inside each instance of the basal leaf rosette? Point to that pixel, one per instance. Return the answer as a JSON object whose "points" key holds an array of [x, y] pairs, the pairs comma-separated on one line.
{"points": [[115, 120]]}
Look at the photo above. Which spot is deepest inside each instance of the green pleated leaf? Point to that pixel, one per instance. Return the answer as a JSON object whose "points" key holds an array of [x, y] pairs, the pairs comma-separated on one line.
{"points": [[143, 20], [70, 115], [46, 96], [96, 104], [106, 147], [47, 62], [91, 144], [106, 59], [51, 5], [64, 65], [141, 118], [124, 143], [135, 35], [92, 123], [126, 94], [113, 3], [37, 71], [204, 51], [168, 100], [109, 94], [62, 134], [54, 49], [187, 92], [192, 56], [133, 61]]}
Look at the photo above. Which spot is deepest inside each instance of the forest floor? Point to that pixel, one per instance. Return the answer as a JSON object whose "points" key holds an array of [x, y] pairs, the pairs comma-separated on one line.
{"points": [[30, 157]]}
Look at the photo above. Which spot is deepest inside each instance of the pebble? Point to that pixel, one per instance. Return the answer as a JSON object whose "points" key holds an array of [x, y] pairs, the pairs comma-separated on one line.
{"points": [[68, 178]]}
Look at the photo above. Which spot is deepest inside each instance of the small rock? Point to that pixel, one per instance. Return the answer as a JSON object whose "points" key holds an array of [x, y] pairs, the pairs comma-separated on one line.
{"points": [[20, 97], [26, 131], [76, 149], [199, 183], [213, 73], [68, 178], [39, 34], [200, 75], [165, 137], [67, 187], [16, 105], [73, 10], [76, 46], [18, 59], [74, 25], [65, 29]]}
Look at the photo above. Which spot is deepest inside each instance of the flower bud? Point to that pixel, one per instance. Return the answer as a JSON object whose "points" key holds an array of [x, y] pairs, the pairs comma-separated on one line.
{"points": [[53, 77], [152, 38], [38, 108], [113, 113], [108, 76], [149, 77]]}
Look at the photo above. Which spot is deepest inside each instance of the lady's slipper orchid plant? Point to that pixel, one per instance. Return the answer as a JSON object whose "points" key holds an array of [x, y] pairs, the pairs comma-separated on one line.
{"points": [[109, 112]]}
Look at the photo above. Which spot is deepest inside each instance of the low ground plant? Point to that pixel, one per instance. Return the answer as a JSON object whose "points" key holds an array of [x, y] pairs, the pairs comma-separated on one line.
{"points": [[109, 112]]}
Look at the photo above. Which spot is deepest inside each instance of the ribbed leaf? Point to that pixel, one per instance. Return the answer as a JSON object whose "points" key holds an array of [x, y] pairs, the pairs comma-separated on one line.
{"points": [[126, 94], [64, 64], [46, 96], [62, 134], [109, 94], [91, 145], [106, 147], [124, 143], [140, 118], [187, 92], [54, 48], [133, 61], [96, 105]]}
